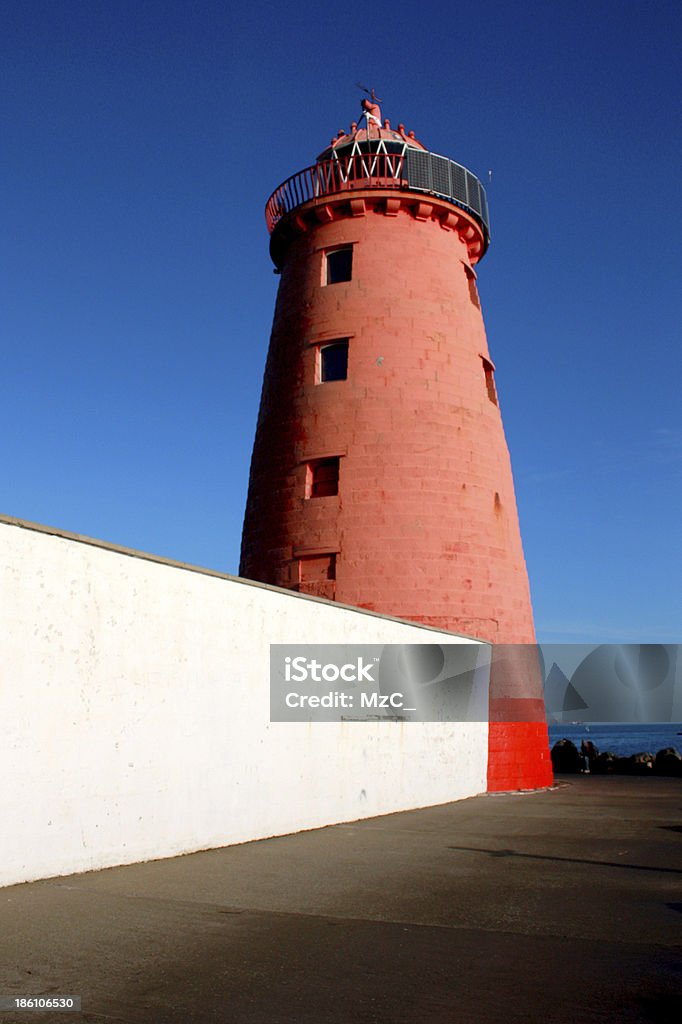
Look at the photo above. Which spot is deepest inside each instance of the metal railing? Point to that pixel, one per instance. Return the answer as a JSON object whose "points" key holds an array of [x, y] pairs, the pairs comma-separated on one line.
{"points": [[411, 170], [362, 170], [440, 176]]}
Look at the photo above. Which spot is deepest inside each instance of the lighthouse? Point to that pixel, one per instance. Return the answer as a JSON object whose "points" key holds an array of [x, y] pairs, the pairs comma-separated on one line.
{"points": [[380, 474]]}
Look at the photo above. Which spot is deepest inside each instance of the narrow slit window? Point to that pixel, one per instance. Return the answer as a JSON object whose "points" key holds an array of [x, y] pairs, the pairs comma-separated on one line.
{"points": [[489, 372], [473, 290], [334, 361], [339, 265], [323, 476]]}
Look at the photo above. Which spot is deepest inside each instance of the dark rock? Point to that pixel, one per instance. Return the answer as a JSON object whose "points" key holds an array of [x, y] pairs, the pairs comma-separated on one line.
{"points": [[565, 757], [641, 763], [605, 763], [668, 762]]}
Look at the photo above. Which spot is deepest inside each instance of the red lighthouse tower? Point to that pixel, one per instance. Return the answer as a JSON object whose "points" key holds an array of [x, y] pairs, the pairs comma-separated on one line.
{"points": [[380, 474]]}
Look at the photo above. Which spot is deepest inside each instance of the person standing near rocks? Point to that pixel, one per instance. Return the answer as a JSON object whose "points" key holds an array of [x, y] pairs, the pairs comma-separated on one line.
{"points": [[589, 754]]}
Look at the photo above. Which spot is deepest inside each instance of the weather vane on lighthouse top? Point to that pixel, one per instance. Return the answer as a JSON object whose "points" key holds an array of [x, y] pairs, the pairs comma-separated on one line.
{"points": [[370, 108]]}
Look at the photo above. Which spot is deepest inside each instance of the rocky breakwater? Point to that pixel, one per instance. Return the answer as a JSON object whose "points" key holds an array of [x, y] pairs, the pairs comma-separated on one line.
{"points": [[568, 759]]}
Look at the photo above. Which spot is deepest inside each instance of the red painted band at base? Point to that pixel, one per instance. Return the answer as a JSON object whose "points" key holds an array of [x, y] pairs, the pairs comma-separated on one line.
{"points": [[518, 756]]}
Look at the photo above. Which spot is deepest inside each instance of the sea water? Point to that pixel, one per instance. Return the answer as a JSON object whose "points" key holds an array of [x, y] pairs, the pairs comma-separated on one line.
{"points": [[621, 739]]}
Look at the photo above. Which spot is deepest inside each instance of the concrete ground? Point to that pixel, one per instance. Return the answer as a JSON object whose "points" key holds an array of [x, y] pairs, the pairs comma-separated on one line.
{"points": [[561, 906]]}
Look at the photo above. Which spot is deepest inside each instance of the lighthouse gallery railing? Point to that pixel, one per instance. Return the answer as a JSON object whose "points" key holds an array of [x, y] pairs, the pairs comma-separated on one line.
{"points": [[414, 171]]}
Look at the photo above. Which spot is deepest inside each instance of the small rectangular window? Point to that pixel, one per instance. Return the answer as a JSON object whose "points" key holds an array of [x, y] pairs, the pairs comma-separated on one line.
{"points": [[316, 568], [317, 576], [323, 477], [339, 265], [334, 361]]}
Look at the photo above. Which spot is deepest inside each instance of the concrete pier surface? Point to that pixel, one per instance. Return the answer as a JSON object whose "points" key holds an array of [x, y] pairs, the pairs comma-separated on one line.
{"points": [[561, 906]]}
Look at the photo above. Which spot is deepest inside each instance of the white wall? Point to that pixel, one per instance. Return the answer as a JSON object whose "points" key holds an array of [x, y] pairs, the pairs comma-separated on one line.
{"points": [[134, 701]]}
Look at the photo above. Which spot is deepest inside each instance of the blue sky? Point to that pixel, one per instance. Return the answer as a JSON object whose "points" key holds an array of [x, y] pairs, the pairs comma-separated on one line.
{"points": [[140, 142]]}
